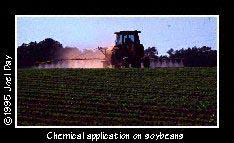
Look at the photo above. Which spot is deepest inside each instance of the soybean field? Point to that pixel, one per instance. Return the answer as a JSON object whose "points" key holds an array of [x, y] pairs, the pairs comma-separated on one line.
{"points": [[117, 97]]}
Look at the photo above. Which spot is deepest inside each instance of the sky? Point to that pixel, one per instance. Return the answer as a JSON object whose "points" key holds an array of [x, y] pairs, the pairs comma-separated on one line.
{"points": [[90, 32]]}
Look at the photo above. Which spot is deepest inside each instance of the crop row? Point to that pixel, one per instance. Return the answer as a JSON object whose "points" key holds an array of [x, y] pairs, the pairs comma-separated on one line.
{"points": [[164, 96]]}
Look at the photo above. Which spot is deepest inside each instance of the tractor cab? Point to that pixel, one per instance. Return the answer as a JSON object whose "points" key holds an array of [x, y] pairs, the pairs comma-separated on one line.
{"points": [[128, 51], [127, 37]]}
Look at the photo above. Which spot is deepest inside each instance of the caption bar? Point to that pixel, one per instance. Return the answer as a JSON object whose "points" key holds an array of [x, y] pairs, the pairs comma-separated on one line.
{"points": [[112, 136]]}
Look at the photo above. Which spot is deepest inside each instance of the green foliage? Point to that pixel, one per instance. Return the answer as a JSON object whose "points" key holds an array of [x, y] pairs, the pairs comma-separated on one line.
{"points": [[163, 96]]}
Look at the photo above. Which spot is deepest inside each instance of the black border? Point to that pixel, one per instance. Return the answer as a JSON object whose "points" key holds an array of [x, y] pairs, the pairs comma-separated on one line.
{"points": [[41, 8]]}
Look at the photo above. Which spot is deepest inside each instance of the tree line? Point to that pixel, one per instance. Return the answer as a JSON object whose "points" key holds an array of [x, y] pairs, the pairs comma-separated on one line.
{"points": [[192, 57], [28, 55], [49, 49]]}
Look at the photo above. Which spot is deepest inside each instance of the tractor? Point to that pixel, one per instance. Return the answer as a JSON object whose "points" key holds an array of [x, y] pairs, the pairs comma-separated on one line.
{"points": [[127, 52]]}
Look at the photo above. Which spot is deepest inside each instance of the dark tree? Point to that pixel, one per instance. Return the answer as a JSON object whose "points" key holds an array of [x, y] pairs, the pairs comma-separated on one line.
{"points": [[196, 57], [151, 52], [46, 50], [170, 52]]}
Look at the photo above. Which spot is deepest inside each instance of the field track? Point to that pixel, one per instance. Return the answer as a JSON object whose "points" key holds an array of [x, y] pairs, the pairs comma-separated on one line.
{"points": [[117, 97]]}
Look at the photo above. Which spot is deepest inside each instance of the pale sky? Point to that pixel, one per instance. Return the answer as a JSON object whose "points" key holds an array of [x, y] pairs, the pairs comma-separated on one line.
{"points": [[90, 32]]}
